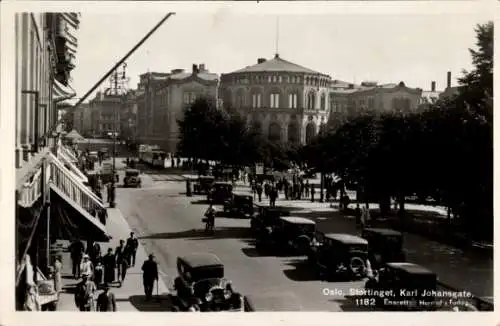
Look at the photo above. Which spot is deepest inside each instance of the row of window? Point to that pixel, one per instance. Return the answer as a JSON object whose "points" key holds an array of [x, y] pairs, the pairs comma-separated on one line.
{"points": [[257, 79], [244, 80], [274, 101]]}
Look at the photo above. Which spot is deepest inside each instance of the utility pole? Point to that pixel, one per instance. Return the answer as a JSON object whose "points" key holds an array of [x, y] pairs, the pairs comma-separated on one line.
{"points": [[118, 90]]}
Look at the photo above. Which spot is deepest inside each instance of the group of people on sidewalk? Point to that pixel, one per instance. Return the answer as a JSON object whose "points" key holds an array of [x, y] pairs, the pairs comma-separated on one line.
{"points": [[98, 271]]}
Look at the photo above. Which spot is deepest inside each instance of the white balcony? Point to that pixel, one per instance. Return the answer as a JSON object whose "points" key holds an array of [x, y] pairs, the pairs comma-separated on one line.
{"points": [[31, 190], [62, 156], [72, 187]]}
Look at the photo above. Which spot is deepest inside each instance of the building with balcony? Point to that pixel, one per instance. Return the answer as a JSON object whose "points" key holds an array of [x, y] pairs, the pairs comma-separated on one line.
{"points": [[162, 98], [52, 202], [280, 99]]}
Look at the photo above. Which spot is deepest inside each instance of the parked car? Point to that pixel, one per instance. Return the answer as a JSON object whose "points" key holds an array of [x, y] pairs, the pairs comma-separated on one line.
{"points": [[410, 285], [339, 254], [240, 205], [203, 185], [267, 216], [290, 233], [220, 192], [385, 245], [132, 178], [201, 285], [275, 301]]}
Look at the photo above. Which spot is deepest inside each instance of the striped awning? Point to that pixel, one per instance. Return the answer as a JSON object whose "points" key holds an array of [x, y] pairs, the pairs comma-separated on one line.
{"points": [[62, 92]]}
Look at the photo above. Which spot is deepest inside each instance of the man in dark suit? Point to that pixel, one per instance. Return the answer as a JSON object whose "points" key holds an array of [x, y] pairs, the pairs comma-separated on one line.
{"points": [[131, 247], [106, 300], [149, 275], [121, 261], [76, 250]]}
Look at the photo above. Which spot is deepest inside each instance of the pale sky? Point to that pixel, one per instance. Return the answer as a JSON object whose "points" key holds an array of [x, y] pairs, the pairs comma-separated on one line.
{"points": [[414, 48]]}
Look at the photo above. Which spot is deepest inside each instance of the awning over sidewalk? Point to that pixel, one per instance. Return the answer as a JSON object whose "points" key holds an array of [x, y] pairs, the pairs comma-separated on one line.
{"points": [[62, 92], [26, 224], [69, 221]]}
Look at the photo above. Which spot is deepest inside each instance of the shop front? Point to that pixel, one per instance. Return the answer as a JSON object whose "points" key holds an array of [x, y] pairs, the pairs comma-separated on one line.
{"points": [[63, 210]]}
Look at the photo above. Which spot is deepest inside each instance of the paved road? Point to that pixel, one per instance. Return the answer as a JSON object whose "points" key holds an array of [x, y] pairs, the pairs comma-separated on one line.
{"points": [[169, 224]]}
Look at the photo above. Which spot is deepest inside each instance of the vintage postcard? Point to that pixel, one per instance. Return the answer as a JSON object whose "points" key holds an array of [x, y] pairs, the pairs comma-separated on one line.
{"points": [[226, 158]]}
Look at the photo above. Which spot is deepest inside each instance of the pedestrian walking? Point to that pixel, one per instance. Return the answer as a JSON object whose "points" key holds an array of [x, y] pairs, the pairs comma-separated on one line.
{"points": [[312, 193], [131, 246], [266, 189], [85, 292], [259, 191], [149, 276], [121, 262], [109, 263], [106, 301], [99, 273], [86, 266], [76, 253], [58, 274], [307, 188], [94, 252], [273, 193]]}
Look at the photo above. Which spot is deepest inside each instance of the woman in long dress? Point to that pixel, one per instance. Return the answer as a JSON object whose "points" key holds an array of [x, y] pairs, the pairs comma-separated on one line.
{"points": [[58, 274]]}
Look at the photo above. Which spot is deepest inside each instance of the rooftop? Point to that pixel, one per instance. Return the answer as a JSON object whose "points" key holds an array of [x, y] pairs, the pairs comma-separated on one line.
{"points": [[277, 64]]}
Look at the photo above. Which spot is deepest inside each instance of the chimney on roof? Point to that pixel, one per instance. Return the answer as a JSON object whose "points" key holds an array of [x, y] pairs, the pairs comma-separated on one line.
{"points": [[433, 86], [448, 79], [202, 67], [261, 60], [195, 69]]}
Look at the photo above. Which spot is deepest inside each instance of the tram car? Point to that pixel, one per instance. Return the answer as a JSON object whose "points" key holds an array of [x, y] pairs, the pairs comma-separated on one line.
{"points": [[153, 156]]}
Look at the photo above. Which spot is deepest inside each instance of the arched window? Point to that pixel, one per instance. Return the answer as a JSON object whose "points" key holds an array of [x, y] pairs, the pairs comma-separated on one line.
{"points": [[256, 100], [311, 100], [274, 99], [292, 100], [274, 133], [293, 132], [310, 132], [323, 102]]}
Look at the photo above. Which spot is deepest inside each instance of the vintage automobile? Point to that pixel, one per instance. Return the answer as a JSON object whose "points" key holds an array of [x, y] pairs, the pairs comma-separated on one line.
{"points": [[274, 301], [339, 254], [409, 283], [290, 232], [203, 184], [267, 216], [239, 205], [201, 285], [385, 245], [132, 178], [220, 192]]}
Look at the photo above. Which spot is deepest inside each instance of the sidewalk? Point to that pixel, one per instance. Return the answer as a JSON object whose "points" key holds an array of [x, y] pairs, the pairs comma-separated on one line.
{"points": [[131, 294]]}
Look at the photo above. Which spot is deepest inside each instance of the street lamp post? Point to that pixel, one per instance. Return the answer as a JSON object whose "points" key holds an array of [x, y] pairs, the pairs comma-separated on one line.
{"points": [[112, 203]]}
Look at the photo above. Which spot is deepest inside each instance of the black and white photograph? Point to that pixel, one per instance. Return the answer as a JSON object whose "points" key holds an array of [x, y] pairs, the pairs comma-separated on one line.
{"points": [[250, 161]]}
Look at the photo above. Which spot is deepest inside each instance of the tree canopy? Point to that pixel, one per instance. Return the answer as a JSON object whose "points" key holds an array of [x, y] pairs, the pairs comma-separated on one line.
{"points": [[212, 134], [445, 151]]}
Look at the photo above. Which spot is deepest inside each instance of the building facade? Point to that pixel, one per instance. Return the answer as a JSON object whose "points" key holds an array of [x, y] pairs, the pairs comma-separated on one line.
{"points": [[283, 101], [162, 98], [81, 119], [128, 117], [52, 201], [105, 113]]}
